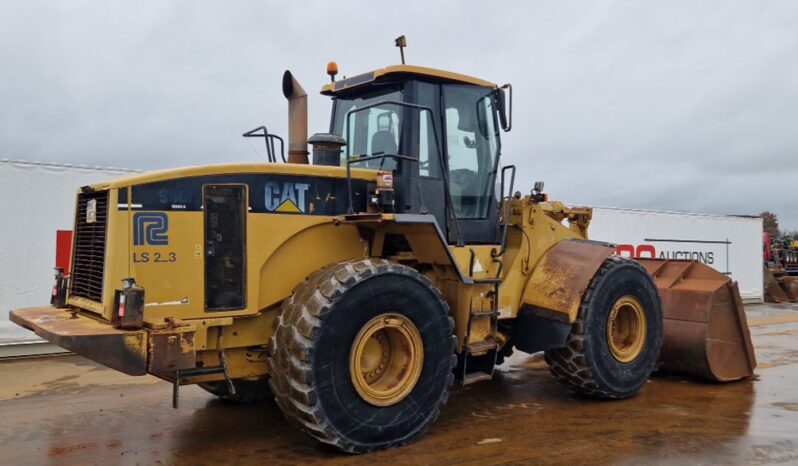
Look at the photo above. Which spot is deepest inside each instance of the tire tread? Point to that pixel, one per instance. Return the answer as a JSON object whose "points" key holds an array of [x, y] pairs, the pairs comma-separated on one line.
{"points": [[569, 365], [293, 346]]}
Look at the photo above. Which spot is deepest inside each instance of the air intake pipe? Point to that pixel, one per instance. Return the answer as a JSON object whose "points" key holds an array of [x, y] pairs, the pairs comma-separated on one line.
{"points": [[297, 119]]}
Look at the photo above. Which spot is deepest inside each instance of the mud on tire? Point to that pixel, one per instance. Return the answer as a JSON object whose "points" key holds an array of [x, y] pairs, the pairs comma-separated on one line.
{"points": [[311, 354], [587, 364]]}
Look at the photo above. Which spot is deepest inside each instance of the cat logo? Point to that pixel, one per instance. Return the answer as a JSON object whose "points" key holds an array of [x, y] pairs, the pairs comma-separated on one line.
{"points": [[286, 198]]}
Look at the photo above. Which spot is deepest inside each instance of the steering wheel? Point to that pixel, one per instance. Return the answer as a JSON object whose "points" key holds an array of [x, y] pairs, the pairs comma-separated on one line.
{"points": [[462, 177]]}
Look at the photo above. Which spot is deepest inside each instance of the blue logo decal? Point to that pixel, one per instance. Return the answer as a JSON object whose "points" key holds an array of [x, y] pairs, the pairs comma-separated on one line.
{"points": [[150, 228]]}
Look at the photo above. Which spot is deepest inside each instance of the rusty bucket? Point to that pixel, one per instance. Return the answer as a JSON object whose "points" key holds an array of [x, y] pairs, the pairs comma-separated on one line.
{"points": [[790, 286], [777, 290], [705, 330]]}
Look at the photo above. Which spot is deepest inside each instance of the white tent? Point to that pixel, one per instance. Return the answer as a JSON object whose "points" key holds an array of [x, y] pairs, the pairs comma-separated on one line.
{"points": [[37, 199]]}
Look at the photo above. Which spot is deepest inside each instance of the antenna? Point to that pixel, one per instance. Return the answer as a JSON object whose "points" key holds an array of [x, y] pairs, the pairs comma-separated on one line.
{"points": [[401, 42]]}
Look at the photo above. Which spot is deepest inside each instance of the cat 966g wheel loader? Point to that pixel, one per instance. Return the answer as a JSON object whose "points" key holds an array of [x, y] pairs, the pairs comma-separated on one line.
{"points": [[356, 290]]}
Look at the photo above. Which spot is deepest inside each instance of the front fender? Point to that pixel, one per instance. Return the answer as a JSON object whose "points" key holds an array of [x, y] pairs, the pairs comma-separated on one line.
{"points": [[561, 277]]}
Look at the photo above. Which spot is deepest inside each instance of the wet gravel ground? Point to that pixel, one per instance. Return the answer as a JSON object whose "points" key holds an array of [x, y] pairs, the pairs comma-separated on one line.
{"points": [[68, 410]]}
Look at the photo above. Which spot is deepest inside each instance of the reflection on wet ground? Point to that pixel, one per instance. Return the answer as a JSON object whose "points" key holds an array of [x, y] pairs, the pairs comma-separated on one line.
{"points": [[67, 410]]}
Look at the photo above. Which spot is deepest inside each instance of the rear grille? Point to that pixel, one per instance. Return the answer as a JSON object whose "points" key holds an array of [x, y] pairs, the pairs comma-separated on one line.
{"points": [[88, 258]]}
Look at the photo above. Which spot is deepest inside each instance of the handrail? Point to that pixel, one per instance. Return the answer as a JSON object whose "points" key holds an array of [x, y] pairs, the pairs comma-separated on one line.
{"points": [[268, 138], [506, 213]]}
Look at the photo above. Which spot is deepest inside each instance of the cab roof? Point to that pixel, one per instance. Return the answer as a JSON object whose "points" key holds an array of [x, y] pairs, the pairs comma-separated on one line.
{"points": [[391, 71]]}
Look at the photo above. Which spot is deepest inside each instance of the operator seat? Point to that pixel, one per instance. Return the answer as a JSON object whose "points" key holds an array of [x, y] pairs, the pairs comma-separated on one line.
{"points": [[383, 142]]}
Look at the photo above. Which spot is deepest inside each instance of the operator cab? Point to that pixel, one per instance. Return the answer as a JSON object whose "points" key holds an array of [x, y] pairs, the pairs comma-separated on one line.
{"points": [[404, 118]]}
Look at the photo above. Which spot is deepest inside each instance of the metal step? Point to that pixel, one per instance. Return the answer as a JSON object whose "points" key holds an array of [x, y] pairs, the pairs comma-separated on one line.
{"points": [[476, 377], [481, 346], [488, 313], [487, 281], [198, 371]]}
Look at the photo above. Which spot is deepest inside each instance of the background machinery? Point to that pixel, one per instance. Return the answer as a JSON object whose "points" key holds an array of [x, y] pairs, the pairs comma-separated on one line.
{"points": [[781, 269], [356, 290]]}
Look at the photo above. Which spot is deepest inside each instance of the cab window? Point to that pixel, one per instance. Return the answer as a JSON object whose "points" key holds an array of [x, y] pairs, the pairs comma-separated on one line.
{"points": [[472, 141], [373, 131]]}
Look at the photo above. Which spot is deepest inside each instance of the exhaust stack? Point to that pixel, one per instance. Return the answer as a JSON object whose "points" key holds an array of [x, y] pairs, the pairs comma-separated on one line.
{"points": [[297, 119]]}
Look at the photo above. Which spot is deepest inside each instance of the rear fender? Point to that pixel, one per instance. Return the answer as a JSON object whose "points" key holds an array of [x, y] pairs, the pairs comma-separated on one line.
{"points": [[422, 233], [303, 253]]}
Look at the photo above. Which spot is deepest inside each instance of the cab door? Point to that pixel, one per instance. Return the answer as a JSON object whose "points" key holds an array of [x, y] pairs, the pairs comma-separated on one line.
{"points": [[472, 148], [421, 181]]}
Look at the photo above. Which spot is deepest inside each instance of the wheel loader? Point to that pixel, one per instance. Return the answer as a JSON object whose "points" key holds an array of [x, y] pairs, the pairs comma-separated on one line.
{"points": [[356, 290]]}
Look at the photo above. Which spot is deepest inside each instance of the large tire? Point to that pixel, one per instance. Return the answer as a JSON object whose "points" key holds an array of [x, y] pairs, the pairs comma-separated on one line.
{"points": [[592, 362], [247, 391], [312, 378]]}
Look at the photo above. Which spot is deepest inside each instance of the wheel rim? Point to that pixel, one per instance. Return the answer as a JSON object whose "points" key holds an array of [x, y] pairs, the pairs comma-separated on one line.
{"points": [[386, 359], [626, 329]]}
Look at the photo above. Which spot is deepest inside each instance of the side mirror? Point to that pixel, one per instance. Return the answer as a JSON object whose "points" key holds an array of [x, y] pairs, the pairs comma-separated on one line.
{"points": [[505, 110]]}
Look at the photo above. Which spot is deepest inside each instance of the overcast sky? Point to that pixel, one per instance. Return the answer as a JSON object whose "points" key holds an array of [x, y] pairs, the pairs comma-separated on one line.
{"points": [[678, 105]]}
